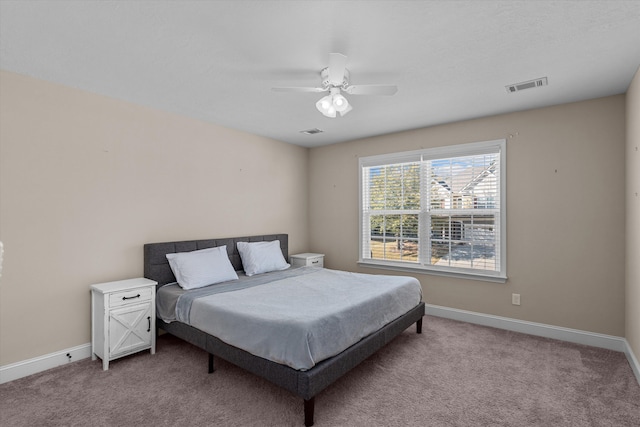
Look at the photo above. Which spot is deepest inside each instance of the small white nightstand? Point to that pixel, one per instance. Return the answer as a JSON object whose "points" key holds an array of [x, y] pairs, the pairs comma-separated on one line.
{"points": [[307, 259], [123, 315]]}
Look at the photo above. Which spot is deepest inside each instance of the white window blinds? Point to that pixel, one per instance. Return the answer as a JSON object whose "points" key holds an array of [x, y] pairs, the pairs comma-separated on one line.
{"points": [[440, 210]]}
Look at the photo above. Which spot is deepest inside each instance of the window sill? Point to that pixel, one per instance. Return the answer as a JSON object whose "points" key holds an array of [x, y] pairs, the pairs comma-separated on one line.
{"points": [[436, 272]]}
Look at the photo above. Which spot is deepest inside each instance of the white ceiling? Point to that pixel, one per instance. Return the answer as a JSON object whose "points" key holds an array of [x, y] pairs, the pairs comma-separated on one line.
{"points": [[218, 60]]}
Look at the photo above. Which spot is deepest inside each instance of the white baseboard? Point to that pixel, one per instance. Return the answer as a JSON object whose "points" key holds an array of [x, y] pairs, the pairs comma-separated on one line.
{"points": [[593, 339], [38, 364], [633, 361]]}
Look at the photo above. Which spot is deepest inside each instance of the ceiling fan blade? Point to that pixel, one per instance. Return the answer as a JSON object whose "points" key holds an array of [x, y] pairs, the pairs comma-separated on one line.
{"points": [[298, 89], [371, 89], [337, 65]]}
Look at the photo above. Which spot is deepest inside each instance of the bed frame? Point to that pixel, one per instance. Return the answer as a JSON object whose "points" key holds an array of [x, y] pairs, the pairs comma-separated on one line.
{"points": [[306, 384]]}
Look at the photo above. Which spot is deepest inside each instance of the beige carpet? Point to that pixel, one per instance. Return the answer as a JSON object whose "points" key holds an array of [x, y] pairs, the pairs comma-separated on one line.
{"points": [[454, 374]]}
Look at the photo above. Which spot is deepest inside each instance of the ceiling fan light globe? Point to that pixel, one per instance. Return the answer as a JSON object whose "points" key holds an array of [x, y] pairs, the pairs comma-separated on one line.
{"points": [[325, 106], [340, 103], [331, 113]]}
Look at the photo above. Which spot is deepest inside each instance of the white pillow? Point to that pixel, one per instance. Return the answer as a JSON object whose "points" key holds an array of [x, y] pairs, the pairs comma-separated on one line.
{"points": [[261, 257], [201, 268]]}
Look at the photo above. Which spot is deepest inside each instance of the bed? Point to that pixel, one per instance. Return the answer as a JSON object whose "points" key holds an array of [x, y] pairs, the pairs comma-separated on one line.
{"points": [[303, 375]]}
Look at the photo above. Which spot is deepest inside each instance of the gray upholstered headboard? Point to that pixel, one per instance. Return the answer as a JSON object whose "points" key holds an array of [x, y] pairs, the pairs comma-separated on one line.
{"points": [[156, 266]]}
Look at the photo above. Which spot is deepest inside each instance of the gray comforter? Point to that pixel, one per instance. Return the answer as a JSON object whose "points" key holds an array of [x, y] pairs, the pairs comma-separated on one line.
{"points": [[301, 316]]}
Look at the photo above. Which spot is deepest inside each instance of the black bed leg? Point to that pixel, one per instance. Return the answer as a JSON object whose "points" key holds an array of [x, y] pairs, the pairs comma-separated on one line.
{"points": [[308, 411], [419, 326], [210, 363]]}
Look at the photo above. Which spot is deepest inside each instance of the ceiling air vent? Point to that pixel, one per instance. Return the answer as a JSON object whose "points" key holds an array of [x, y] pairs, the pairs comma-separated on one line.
{"points": [[311, 131], [527, 85]]}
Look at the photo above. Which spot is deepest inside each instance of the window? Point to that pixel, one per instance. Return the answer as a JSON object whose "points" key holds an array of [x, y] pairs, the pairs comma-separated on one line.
{"points": [[439, 210]]}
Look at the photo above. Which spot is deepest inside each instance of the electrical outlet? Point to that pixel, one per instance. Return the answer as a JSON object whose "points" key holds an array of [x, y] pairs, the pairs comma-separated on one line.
{"points": [[515, 299]]}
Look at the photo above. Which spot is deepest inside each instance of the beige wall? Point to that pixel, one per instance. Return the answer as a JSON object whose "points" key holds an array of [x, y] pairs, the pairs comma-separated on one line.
{"points": [[565, 212], [86, 180], [633, 216]]}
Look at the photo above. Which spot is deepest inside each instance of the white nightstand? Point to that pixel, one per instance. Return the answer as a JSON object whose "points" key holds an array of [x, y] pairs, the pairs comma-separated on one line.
{"points": [[307, 259], [123, 315]]}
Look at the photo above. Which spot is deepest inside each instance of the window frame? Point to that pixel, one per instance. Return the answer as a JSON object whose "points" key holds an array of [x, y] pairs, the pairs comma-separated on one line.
{"points": [[459, 150]]}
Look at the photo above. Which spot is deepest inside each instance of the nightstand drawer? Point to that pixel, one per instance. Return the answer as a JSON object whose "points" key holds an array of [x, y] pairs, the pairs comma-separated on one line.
{"points": [[317, 261], [307, 260], [133, 296]]}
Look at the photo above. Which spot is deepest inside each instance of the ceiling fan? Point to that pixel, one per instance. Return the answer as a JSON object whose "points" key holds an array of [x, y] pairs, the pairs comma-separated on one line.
{"points": [[335, 79]]}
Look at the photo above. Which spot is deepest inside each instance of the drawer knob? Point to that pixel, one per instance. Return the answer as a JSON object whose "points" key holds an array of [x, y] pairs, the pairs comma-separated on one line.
{"points": [[126, 298]]}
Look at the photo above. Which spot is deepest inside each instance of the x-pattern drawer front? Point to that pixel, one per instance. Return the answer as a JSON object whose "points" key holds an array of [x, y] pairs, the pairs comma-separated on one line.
{"points": [[130, 329]]}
